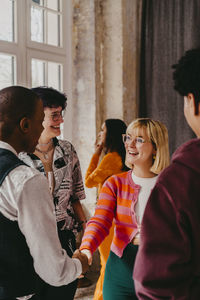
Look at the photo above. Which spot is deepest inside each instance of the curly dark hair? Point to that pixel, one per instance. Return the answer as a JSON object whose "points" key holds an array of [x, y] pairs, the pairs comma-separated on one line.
{"points": [[51, 97], [114, 130], [187, 75]]}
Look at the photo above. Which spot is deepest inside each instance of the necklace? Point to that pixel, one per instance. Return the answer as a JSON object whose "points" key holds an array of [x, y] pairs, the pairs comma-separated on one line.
{"points": [[44, 144], [45, 153]]}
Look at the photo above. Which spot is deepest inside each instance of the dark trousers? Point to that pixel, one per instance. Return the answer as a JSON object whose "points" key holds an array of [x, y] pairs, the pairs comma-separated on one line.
{"points": [[32, 298], [118, 281], [65, 292]]}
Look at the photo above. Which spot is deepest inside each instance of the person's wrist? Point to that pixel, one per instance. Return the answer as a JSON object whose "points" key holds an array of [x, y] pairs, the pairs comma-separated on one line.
{"points": [[82, 224], [88, 253]]}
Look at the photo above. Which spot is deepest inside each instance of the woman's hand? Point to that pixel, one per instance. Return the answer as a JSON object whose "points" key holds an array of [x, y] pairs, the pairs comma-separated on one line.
{"points": [[98, 145], [83, 259]]}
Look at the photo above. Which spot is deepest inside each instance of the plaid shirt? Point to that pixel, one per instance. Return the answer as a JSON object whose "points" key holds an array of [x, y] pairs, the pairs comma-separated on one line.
{"points": [[68, 180]]}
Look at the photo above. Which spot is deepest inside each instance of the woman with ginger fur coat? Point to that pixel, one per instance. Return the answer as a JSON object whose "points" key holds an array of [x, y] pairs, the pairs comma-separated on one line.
{"points": [[109, 143]]}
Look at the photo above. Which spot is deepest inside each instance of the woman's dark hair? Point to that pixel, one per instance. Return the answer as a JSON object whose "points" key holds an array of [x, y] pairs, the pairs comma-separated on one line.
{"points": [[114, 130], [51, 97]]}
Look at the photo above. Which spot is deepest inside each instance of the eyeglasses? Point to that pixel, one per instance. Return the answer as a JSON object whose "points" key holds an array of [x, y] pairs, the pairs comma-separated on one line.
{"points": [[127, 139], [57, 115]]}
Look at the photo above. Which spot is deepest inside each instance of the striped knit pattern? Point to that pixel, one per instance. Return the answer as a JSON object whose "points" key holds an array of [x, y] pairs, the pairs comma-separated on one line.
{"points": [[116, 201]]}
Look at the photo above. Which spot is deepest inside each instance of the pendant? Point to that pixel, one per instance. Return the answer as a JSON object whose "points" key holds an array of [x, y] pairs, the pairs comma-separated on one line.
{"points": [[46, 156]]}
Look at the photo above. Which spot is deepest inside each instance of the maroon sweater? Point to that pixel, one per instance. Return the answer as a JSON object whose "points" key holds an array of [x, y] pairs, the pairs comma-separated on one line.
{"points": [[168, 262]]}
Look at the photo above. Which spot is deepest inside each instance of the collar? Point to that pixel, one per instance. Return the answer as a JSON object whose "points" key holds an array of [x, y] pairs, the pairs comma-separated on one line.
{"points": [[7, 146]]}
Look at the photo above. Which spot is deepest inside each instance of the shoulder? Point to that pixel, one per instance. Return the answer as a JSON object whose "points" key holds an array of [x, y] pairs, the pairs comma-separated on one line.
{"points": [[112, 155], [31, 160], [28, 158], [121, 178], [66, 146], [24, 174], [185, 161], [116, 183], [189, 145], [112, 158]]}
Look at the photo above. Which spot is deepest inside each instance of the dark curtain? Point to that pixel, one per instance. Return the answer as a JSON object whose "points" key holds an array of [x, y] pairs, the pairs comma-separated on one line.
{"points": [[169, 28]]}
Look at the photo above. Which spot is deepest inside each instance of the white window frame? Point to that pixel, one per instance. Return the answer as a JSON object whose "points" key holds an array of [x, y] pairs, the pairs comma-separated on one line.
{"points": [[24, 49]]}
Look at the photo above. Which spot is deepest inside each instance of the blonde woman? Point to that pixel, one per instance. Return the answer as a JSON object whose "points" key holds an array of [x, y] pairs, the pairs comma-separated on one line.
{"points": [[123, 198]]}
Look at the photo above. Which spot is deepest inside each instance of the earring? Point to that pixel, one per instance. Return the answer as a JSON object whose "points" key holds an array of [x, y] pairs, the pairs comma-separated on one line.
{"points": [[154, 157]]}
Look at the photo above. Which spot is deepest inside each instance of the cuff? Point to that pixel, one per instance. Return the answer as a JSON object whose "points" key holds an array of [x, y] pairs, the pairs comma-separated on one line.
{"points": [[88, 254], [78, 266]]}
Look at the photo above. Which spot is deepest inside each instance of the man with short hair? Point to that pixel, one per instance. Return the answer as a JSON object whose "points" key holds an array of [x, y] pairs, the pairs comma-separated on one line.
{"points": [[168, 264], [29, 244]]}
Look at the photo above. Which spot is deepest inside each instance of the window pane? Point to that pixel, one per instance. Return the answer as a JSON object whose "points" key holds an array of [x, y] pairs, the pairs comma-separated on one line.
{"points": [[55, 75], [38, 72], [46, 24], [7, 22], [40, 2], [37, 24], [7, 70], [46, 73], [53, 4], [52, 34]]}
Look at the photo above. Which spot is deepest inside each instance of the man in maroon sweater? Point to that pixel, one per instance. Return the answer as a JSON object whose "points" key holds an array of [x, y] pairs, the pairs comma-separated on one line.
{"points": [[168, 262]]}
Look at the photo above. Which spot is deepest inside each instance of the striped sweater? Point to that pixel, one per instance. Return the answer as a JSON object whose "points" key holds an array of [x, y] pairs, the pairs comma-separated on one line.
{"points": [[117, 199]]}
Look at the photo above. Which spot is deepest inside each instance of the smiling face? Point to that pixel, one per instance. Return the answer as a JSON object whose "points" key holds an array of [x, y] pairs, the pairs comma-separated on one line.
{"points": [[139, 148], [52, 120]]}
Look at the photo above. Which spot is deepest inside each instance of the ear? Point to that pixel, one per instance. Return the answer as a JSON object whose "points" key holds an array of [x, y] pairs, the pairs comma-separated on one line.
{"points": [[190, 101], [24, 125]]}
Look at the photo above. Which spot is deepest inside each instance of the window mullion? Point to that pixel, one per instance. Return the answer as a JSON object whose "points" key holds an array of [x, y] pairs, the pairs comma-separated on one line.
{"points": [[45, 74], [13, 70], [13, 21], [21, 43]]}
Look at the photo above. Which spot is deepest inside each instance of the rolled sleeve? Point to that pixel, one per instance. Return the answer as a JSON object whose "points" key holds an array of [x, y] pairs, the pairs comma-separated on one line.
{"points": [[36, 218]]}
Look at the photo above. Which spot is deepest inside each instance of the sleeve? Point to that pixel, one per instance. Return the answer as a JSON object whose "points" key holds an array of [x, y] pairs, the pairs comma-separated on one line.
{"points": [[36, 218], [78, 187], [163, 265], [98, 174], [99, 225]]}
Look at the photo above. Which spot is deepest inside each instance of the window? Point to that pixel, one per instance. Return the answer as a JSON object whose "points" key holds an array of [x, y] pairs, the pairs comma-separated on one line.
{"points": [[7, 70], [33, 43], [46, 22]]}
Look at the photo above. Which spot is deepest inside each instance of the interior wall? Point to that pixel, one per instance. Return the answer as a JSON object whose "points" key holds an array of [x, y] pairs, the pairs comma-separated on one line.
{"points": [[131, 19], [105, 50], [169, 29]]}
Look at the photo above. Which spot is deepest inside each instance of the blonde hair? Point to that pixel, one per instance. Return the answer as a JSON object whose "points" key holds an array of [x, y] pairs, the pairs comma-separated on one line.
{"points": [[158, 135]]}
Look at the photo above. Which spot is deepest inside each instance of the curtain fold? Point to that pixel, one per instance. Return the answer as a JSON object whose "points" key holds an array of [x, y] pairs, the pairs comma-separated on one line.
{"points": [[169, 28]]}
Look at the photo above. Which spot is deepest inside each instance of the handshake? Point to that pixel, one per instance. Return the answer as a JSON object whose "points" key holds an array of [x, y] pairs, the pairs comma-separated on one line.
{"points": [[85, 258]]}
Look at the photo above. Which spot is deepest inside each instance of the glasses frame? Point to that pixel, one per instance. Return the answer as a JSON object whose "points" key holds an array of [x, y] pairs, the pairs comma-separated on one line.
{"points": [[57, 115], [136, 140]]}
